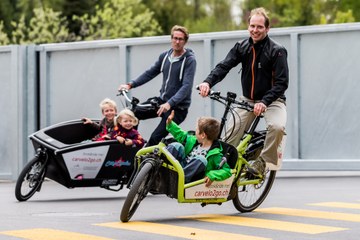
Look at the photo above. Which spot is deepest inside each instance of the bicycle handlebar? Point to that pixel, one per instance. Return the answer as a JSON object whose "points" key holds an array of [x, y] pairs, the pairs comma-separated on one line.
{"points": [[134, 102], [230, 99], [123, 92]]}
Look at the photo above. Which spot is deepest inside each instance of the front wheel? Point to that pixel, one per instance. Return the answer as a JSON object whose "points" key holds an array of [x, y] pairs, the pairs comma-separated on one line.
{"points": [[250, 196], [30, 178], [137, 193]]}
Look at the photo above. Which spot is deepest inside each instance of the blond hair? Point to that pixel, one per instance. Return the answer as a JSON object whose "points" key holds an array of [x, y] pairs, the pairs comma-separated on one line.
{"points": [[181, 29], [109, 102], [260, 11], [126, 112]]}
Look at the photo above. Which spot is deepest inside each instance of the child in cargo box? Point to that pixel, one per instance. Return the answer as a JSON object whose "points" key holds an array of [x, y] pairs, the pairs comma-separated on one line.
{"points": [[124, 130], [200, 155], [106, 125]]}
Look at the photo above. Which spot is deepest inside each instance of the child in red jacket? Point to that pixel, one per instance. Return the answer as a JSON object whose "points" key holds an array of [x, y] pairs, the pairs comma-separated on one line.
{"points": [[124, 130]]}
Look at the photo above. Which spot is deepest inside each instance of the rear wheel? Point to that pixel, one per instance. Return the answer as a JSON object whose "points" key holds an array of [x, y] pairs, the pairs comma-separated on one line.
{"points": [[137, 193], [250, 196], [30, 178]]}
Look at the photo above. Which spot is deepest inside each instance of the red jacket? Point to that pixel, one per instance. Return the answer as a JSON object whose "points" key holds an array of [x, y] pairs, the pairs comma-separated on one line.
{"points": [[132, 134]]}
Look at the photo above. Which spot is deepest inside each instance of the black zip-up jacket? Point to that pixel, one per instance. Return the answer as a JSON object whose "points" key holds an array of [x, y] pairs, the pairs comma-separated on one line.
{"points": [[265, 72]]}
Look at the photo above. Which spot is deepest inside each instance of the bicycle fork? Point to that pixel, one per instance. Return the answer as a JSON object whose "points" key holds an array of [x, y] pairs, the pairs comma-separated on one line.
{"points": [[156, 163]]}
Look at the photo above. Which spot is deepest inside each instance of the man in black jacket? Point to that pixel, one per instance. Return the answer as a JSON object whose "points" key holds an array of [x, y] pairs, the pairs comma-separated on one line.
{"points": [[264, 79]]}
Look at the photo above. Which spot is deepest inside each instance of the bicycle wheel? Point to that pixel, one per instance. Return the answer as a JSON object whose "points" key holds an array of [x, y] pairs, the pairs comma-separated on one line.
{"points": [[250, 196], [137, 193], [30, 178]]}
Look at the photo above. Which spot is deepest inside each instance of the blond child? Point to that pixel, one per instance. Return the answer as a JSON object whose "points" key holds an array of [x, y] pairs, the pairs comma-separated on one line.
{"points": [[124, 130], [105, 127]]}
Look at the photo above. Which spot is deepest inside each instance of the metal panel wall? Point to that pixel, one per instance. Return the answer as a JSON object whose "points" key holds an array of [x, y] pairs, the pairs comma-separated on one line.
{"points": [[329, 92], [74, 82], [13, 95], [6, 148]]}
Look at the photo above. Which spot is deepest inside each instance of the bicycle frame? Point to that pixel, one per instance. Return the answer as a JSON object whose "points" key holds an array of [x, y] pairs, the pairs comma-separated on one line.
{"points": [[230, 99], [171, 164], [158, 172]]}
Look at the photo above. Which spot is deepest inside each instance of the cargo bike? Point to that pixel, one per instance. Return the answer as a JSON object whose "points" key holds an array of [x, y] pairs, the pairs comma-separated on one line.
{"points": [[64, 154], [158, 172]]}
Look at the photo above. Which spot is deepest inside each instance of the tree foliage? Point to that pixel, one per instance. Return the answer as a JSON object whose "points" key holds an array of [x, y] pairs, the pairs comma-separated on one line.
{"points": [[118, 19], [196, 15], [286, 13], [170, 13], [4, 39], [6, 15], [71, 8], [46, 26], [212, 16], [71, 20]]}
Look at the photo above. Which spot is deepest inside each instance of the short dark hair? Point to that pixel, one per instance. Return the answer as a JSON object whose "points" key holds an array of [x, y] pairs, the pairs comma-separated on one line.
{"points": [[181, 29], [260, 11], [210, 126]]}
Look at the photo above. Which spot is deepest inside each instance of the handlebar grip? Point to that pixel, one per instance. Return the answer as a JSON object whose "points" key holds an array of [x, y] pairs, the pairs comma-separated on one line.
{"points": [[123, 90], [211, 92]]}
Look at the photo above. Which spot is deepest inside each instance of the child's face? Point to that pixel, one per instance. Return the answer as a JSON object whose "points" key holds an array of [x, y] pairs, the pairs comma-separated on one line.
{"points": [[109, 112], [200, 136], [127, 122]]}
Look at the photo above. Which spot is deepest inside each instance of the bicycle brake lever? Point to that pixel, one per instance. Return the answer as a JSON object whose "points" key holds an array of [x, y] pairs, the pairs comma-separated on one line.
{"points": [[121, 91], [214, 94]]}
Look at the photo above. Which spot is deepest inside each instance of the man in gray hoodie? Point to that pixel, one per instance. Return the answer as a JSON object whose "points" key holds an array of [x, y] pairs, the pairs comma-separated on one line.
{"points": [[178, 67]]}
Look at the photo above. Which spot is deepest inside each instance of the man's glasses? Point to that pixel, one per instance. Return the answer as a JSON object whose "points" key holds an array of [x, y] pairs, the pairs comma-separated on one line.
{"points": [[178, 39]]}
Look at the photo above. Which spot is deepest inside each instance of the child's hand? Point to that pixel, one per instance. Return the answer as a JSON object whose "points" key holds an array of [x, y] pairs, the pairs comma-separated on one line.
{"points": [[120, 139], [86, 120], [106, 137], [208, 182], [170, 117], [128, 142]]}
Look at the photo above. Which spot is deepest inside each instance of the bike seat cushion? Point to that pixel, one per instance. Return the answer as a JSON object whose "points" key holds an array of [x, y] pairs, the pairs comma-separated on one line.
{"points": [[230, 153]]}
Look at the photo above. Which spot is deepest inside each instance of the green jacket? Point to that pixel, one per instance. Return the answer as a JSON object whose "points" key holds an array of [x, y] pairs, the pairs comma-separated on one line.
{"points": [[213, 156]]}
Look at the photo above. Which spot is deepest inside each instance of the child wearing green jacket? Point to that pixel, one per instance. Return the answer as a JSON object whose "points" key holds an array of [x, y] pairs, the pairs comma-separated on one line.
{"points": [[201, 154]]}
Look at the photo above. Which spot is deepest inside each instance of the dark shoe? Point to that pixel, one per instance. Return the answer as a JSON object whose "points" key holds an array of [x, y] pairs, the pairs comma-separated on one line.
{"points": [[257, 167]]}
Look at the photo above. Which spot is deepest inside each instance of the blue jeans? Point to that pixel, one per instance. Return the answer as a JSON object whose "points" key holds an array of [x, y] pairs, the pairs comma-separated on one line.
{"points": [[193, 169]]}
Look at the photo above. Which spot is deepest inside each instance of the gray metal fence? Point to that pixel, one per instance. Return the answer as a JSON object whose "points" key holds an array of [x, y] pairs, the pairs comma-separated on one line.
{"points": [[51, 83]]}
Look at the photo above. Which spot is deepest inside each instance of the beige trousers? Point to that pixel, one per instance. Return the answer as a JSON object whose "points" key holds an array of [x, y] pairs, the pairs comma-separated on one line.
{"points": [[275, 117]]}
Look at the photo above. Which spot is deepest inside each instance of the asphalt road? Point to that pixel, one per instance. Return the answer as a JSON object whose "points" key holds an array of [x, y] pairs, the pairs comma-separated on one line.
{"points": [[304, 206]]}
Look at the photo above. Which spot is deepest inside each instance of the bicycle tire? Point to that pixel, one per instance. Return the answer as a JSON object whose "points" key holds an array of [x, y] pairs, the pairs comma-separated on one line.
{"points": [[30, 178], [250, 196], [137, 193]]}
